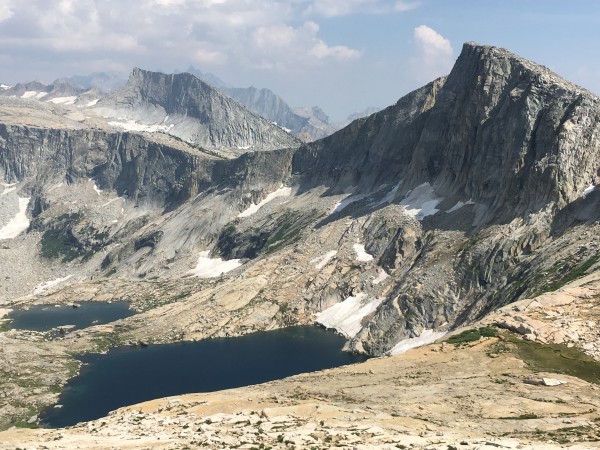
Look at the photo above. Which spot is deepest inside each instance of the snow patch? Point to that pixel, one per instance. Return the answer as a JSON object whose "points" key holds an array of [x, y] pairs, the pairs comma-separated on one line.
{"points": [[252, 209], [322, 261], [361, 253], [389, 197], [98, 191], [4, 87], [426, 337], [34, 94], [210, 268], [245, 147], [93, 102], [48, 284], [8, 185], [421, 202], [112, 201], [345, 202], [460, 205], [7, 190], [18, 224], [132, 125], [381, 277], [63, 100], [346, 317], [591, 188]]}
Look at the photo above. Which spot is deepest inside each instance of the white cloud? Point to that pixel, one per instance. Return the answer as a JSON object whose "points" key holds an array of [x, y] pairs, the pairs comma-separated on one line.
{"points": [[337, 52], [203, 56], [434, 54], [403, 6], [281, 46], [6, 11], [332, 8]]}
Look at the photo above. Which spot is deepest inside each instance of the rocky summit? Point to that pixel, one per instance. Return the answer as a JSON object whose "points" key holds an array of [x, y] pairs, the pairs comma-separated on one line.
{"points": [[471, 204]]}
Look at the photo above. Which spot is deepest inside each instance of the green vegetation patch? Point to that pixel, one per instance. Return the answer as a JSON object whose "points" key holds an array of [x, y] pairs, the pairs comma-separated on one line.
{"points": [[60, 242], [556, 358], [574, 274], [472, 335]]}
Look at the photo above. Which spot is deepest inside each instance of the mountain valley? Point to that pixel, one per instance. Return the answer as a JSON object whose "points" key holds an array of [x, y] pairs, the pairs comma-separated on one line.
{"points": [[471, 203]]}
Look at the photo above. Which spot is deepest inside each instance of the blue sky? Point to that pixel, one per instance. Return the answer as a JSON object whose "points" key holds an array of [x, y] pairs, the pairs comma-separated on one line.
{"points": [[343, 55]]}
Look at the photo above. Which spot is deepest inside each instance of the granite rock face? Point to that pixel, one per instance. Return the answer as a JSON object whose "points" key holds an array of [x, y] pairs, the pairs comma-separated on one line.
{"points": [[500, 130], [186, 107], [469, 193]]}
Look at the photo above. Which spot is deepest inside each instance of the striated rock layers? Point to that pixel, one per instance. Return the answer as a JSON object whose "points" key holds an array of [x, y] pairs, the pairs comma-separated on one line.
{"points": [[469, 193]]}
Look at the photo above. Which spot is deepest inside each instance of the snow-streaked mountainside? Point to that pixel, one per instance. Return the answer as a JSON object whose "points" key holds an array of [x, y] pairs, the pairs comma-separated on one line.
{"points": [[404, 225]]}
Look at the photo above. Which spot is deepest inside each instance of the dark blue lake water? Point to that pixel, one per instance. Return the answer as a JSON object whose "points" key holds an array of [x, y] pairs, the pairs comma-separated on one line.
{"points": [[46, 317], [126, 376]]}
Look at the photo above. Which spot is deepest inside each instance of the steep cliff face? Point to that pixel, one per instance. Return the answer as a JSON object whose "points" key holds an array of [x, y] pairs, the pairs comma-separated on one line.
{"points": [[146, 171], [500, 130], [184, 106]]}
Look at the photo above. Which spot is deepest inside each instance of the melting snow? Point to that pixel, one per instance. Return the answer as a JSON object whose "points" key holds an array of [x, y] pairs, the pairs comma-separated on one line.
{"points": [[383, 275], [252, 209], [63, 100], [34, 94], [389, 197], [421, 202], [132, 125], [588, 191], [18, 224], [98, 191], [7, 190], [361, 253], [426, 337], [345, 202], [322, 261], [48, 284], [111, 201], [346, 317], [460, 205], [210, 268]]}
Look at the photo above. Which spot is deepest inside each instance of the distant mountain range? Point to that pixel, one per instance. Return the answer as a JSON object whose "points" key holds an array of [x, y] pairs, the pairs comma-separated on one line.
{"points": [[307, 123]]}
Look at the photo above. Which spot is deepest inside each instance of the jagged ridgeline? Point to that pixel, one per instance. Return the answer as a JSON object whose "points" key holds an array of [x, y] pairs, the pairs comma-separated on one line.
{"points": [[469, 193]]}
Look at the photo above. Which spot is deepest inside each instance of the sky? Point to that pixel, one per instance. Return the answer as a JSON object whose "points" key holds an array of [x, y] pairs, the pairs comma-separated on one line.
{"points": [[342, 55]]}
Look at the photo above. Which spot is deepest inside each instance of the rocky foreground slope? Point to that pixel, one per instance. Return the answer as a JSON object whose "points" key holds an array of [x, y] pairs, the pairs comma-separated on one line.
{"points": [[472, 192], [483, 394]]}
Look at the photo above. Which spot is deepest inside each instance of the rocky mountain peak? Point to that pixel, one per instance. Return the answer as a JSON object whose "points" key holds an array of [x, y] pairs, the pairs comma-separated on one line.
{"points": [[500, 130], [190, 109]]}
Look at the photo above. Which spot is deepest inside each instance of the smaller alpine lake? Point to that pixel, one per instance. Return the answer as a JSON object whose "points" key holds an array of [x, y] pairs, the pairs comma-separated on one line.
{"points": [[129, 375], [83, 315]]}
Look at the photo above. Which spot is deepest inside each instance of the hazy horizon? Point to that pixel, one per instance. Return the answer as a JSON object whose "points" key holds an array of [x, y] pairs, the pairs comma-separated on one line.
{"points": [[343, 56]]}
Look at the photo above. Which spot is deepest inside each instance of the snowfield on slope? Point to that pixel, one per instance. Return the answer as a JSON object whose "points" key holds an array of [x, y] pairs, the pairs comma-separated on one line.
{"points": [[426, 337], [346, 317], [421, 202], [49, 284], [361, 253], [18, 224], [322, 261], [253, 208], [211, 268]]}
